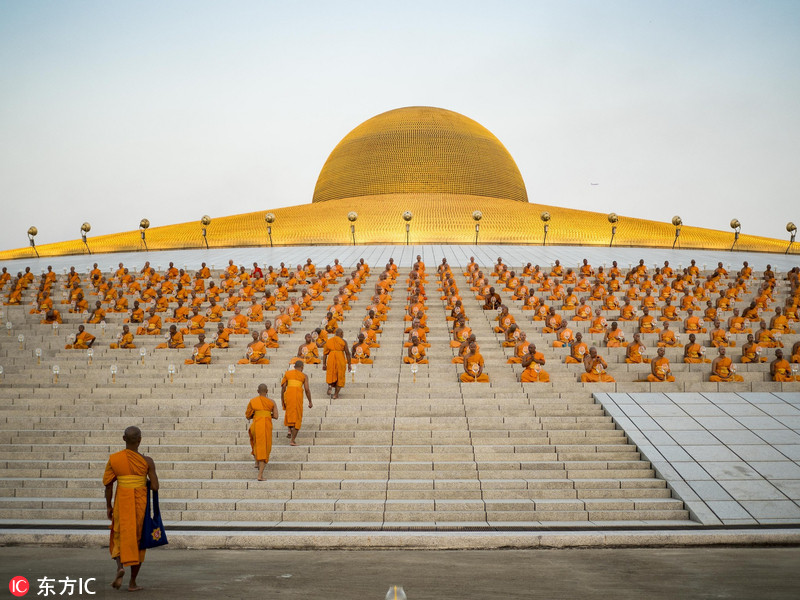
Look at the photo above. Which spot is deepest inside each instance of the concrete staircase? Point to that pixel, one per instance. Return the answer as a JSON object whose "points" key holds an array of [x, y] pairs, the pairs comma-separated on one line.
{"points": [[395, 451]]}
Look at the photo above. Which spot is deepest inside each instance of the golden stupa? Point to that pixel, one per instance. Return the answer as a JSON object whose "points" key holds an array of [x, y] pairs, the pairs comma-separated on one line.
{"points": [[437, 168]]}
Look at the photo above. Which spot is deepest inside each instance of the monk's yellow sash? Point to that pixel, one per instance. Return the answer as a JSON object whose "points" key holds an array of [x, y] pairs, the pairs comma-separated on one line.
{"points": [[131, 481], [294, 383], [262, 413]]}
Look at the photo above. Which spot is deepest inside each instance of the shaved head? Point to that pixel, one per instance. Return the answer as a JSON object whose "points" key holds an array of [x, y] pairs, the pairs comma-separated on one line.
{"points": [[132, 434], [262, 388]]}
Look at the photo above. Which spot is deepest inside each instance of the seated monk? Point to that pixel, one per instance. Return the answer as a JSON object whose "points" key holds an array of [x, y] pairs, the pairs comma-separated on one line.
{"points": [[505, 320], [174, 339], [308, 352], [669, 312], [694, 352], [520, 350], [269, 336], [294, 311], [463, 350], [532, 364], [124, 340], [81, 305], [752, 352], [360, 351], [222, 337], [256, 352], [180, 315], [553, 322], [473, 366], [530, 302], [610, 302], [120, 305], [201, 354], [719, 337], [647, 322], [595, 367], [457, 311], [83, 340], [98, 314], [197, 324], [51, 316], [419, 332], [511, 336], [660, 371], [599, 323], [693, 324], [780, 323], [722, 369], [152, 326], [371, 337], [284, 323], [751, 313], [796, 352], [492, 300], [627, 312], [320, 337], [781, 369], [615, 337], [766, 338], [415, 353], [135, 315], [736, 323], [667, 337], [237, 324], [577, 351], [331, 322], [255, 313], [583, 312], [633, 353], [563, 338]]}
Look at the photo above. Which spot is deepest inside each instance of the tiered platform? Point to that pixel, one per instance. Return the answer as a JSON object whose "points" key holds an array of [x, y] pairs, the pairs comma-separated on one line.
{"points": [[397, 451]]}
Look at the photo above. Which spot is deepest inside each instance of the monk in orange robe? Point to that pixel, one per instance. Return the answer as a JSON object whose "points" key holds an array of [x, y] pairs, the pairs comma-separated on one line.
{"points": [[615, 337], [667, 338], [577, 350], [293, 384], [460, 333], [693, 324], [532, 365], [201, 353], [766, 338], [520, 350], [262, 411], [595, 367], [152, 326], [83, 340], [752, 352], [473, 366], [659, 369], [174, 340], [237, 324], [719, 337], [360, 351], [283, 323], [633, 353], [796, 352], [415, 353], [694, 352], [781, 369], [197, 323], [131, 470], [722, 369], [256, 352], [307, 352], [51, 316], [336, 362], [124, 341]]}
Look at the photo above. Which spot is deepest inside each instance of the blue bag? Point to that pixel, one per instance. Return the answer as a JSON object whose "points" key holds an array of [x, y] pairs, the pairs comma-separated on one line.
{"points": [[153, 532]]}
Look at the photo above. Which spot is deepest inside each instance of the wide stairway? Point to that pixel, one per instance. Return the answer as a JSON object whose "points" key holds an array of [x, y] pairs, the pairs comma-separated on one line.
{"points": [[396, 450]]}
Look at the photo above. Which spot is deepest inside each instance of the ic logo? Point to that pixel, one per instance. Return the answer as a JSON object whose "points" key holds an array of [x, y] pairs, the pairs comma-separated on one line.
{"points": [[19, 586]]}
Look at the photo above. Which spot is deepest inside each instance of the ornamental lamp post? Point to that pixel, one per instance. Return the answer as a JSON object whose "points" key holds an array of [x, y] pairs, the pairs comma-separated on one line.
{"points": [[144, 224], [613, 219], [477, 216], [32, 233], [407, 216], [545, 217], [678, 223], [792, 229], [270, 219], [737, 228], [205, 222], [352, 216], [86, 228]]}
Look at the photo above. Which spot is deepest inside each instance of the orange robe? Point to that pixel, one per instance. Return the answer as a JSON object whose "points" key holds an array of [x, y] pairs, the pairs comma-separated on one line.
{"points": [[723, 373], [361, 354], [783, 371], [635, 356], [255, 354], [597, 374], [663, 370], [417, 356], [153, 326], [469, 375], [129, 470], [81, 342], [576, 354], [336, 364], [293, 398], [694, 355], [534, 372], [260, 410], [751, 355], [309, 354], [125, 341], [202, 356]]}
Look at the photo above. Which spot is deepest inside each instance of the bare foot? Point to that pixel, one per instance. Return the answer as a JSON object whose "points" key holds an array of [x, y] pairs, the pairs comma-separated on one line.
{"points": [[135, 588], [117, 583], [293, 443], [260, 479], [288, 435]]}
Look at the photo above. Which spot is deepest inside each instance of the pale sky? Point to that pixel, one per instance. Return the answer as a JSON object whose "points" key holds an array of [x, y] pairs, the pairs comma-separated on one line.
{"points": [[115, 111]]}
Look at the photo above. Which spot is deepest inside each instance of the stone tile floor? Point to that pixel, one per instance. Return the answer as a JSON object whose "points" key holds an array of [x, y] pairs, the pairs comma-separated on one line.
{"points": [[734, 458]]}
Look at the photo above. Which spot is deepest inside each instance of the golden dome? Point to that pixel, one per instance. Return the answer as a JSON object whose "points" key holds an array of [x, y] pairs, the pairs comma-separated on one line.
{"points": [[420, 150]]}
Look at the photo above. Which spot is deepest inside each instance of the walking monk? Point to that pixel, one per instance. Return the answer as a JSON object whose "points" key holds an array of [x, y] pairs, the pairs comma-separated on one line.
{"points": [[130, 470], [262, 411], [336, 362], [293, 384]]}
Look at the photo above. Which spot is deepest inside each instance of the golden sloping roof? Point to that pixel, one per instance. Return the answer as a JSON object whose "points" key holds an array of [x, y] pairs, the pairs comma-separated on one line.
{"points": [[420, 150], [438, 219]]}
